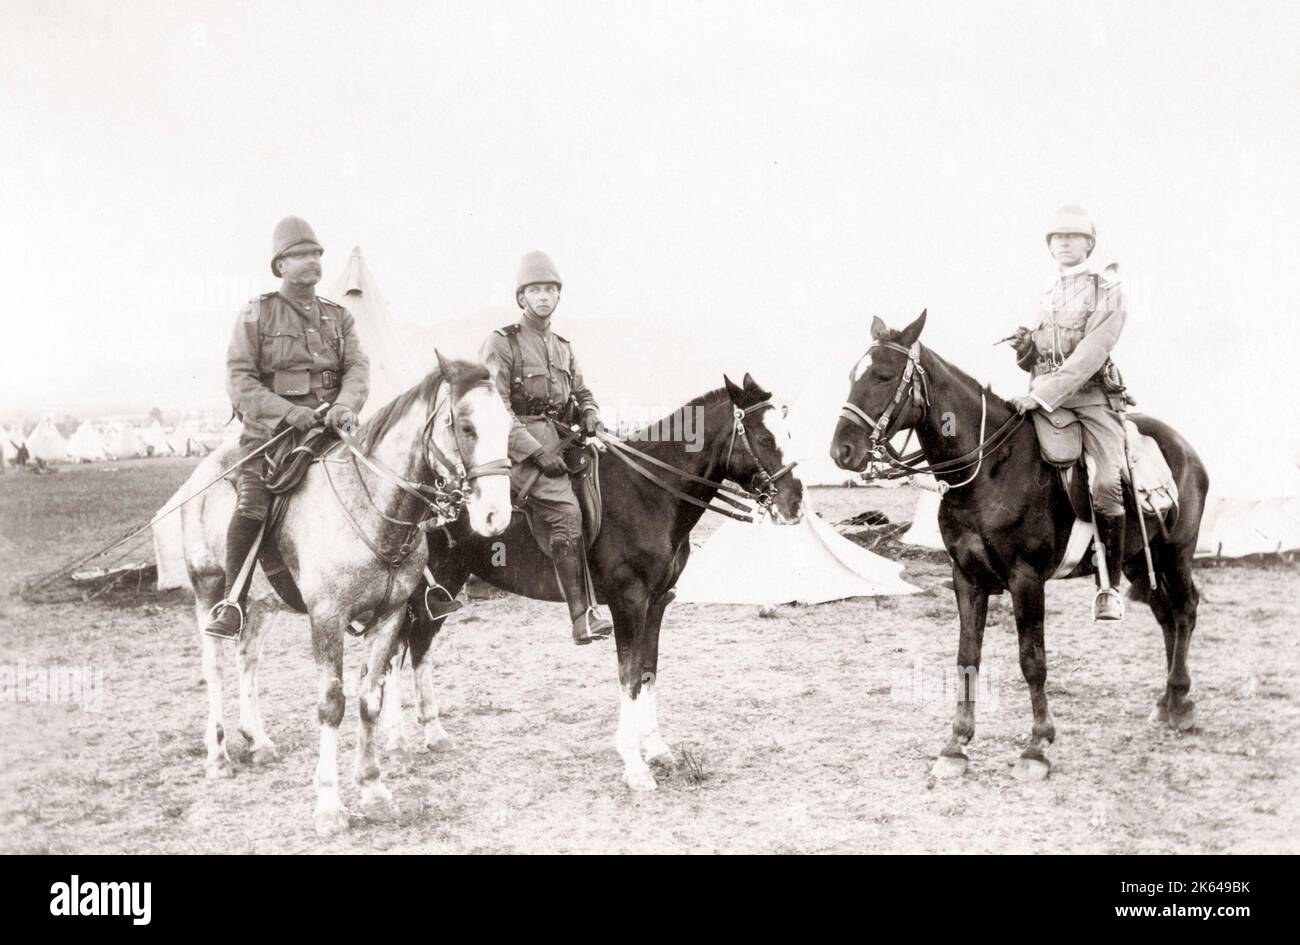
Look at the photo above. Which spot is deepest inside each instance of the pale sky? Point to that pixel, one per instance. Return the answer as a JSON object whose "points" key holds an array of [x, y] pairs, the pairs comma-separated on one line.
{"points": [[751, 182]]}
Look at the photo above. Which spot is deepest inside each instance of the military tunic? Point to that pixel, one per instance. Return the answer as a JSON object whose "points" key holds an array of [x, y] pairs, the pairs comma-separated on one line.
{"points": [[550, 379], [1081, 316], [284, 354]]}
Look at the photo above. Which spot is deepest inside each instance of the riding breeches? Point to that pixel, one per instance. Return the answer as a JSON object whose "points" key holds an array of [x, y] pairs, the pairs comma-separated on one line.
{"points": [[556, 513], [253, 498], [1103, 443]]}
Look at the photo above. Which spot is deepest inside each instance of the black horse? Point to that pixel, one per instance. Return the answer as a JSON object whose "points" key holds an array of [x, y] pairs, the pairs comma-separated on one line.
{"points": [[639, 553], [1006, 521]]}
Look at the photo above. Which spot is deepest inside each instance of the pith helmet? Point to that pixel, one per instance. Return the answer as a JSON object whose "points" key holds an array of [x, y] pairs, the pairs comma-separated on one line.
{"points": [[292, 234], [1071, 219], [535, 267]]}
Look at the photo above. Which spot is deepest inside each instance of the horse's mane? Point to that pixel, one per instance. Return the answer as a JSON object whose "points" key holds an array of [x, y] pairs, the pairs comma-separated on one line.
{"points": [[707, 399], [461, 374], [894, 335]]}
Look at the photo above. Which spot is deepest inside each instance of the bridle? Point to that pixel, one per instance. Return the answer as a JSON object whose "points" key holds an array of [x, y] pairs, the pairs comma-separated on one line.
{"points": [[761, 489], [442, 498], [916, 382]]}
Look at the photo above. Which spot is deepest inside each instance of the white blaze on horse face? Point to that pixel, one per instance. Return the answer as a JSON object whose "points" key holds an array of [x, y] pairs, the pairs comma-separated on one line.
{"points": [[789, 504], [489, 499]]}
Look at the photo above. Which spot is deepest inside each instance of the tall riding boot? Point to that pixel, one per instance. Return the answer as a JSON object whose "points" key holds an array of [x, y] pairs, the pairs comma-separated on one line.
{"points": [[228, 619], [587, 624], [1109, 603]]}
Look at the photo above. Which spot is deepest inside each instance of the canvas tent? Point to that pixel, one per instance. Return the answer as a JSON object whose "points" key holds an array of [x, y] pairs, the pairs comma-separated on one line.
{"points": [[87, 445], [46, 442], [393, 365], [125, 443], [9, 442], [154, 437], [765, 563]]}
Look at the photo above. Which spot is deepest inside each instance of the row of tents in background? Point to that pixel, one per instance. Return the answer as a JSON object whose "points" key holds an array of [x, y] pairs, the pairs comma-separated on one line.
{"points": [[97, 442]]}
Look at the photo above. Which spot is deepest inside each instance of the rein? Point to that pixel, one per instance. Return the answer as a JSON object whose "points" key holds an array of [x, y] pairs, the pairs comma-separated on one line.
{"points": [[442, 501], [764, 495], [916, 382]]}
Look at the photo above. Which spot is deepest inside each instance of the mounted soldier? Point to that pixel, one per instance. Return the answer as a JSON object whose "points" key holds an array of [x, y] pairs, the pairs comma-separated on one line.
{"points": [[291, 351], [1081, 315], [538, 376]]}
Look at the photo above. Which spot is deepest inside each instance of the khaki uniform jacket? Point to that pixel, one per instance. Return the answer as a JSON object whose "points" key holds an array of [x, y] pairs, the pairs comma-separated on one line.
{"points": [[550, 374], [283, 354], [1080, 320]]}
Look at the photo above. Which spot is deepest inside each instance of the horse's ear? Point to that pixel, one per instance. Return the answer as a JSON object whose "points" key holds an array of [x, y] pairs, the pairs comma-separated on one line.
{"points": [[878, 328], [443, 369], [749, 382], [734, 392], [907, 337]]}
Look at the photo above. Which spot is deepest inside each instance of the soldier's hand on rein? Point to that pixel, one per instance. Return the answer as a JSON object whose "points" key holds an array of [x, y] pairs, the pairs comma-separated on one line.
{"points": [[1025, 403], [301, 418], [341, 417], [1022, 341], [591, 422], [551, 464]]}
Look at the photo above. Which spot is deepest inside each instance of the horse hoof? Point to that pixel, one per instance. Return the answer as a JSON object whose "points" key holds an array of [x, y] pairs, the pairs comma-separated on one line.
{"points": [[330, 821], [261, 757], [397, 745], [1183, 719], [664, 759], [438, 746], [1032, 769], [1159, 715], [380, 810], [640, 780], [219, 769], [949, 766]]}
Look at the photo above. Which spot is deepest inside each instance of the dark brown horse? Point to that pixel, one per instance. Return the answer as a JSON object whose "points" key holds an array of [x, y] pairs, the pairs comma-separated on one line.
{"points": [[638, 555], [1008, 526]]}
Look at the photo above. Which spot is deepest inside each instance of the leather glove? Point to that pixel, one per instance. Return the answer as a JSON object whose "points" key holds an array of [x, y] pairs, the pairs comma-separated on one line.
{"points": [[1023, 342], [341, 417], [1024, 403], [591, 422], [301, 418], [551, 464]]}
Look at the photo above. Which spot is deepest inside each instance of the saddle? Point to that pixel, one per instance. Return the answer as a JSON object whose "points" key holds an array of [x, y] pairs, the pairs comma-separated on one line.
{"points": [[1060, 441], [584, 475], [286, 467]]}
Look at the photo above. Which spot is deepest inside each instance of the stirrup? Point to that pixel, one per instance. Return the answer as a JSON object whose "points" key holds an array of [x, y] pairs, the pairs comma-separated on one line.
{"points": [[438, 609], [213, 619], [1107, 592], [582, 632]]}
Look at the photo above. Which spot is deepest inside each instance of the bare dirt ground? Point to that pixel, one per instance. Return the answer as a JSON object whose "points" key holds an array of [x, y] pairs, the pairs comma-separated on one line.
{"points": [[812, 730]]}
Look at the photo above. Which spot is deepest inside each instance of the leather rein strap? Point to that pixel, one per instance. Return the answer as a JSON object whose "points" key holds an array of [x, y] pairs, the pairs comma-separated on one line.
{"points": [[763, 496], [916, 382], [442, 500]]}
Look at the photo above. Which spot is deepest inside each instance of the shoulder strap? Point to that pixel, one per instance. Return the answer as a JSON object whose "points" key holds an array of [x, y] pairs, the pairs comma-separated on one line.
{"points": [[516, 363]]}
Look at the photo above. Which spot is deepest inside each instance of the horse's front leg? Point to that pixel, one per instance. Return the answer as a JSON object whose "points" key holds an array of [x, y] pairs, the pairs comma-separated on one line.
{"points": [[655, 750], [973, 609], [629, 609], [261, 749], [207, 592], [420, 632], [392, 726], [1027, 599], [376, 799], [327, 647]]}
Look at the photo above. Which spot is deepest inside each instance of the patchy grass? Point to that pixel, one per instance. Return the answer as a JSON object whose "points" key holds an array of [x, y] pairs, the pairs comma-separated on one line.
{"points": [[814, 732]]}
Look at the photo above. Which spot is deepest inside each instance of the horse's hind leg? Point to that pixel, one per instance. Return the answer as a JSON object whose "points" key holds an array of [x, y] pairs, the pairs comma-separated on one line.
{"points": [[1174, 604], [207, 591], [419, 633], [376, 800], [973, 609], [261, 749], [629, 612], [327, 647], [1028, 601]]}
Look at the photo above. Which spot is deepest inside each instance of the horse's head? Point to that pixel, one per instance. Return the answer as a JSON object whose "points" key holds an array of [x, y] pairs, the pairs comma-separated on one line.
{"points": [[886, 394], [760, 445], [472, 430]]}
